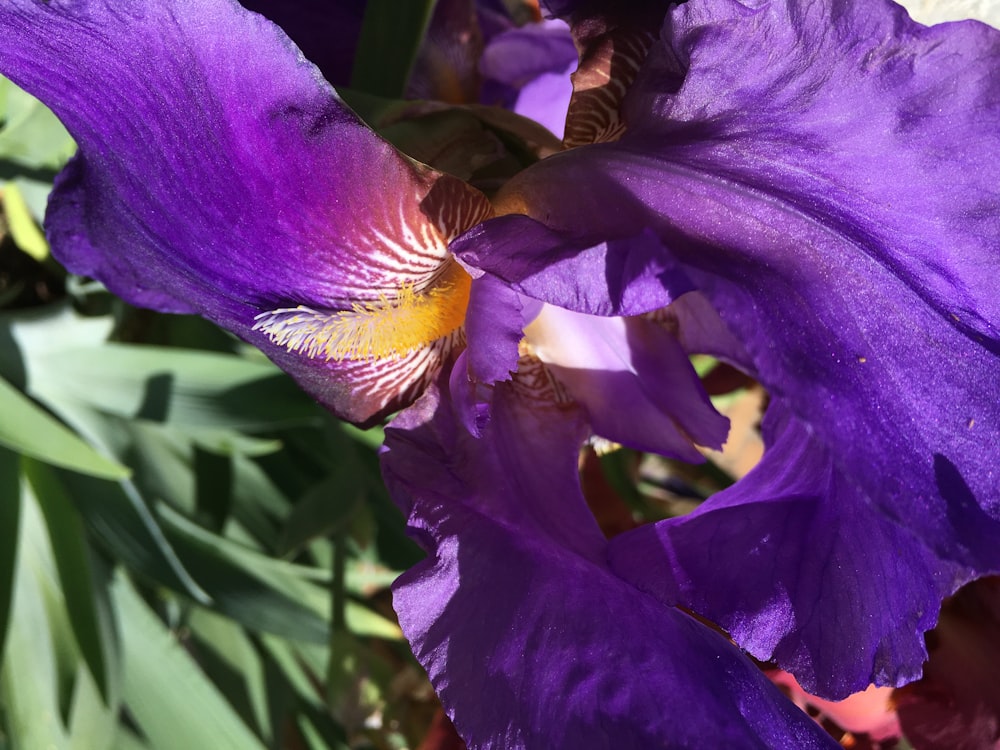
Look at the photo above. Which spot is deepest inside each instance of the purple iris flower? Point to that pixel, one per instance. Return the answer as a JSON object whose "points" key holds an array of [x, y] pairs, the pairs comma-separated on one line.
{"points": [[808, 188], [824, 173]]}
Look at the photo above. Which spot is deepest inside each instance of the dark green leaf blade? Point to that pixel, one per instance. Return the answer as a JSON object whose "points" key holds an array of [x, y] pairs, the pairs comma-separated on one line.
{"points": [[28, 429], [390, 38], [10, 513], [90, 621]]}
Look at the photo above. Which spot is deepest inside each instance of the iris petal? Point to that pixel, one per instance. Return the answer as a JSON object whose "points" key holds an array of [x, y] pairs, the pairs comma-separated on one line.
{"points": [[219, 173], [798, 567], [530, 640], [633, 378], [834, 197]]}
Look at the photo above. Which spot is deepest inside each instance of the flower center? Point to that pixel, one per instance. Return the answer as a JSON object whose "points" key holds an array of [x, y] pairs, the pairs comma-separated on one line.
{"points": [[387, 327]]}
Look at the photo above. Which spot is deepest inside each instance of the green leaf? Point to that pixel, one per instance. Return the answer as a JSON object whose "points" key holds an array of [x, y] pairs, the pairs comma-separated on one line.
{"points": [[89, 614], [232, 443], [213, 487], [126, 739], [93, 725], [118, 516], [169, 698], [31, 665], [314, 738], [262, 593], [293, 662], [234, 648], [28, 429], [364, 622], [390, 38], [35, 193], [10, 512], [30, 134], [327, 507], [23, 228], [373, 437], [176, 386]]}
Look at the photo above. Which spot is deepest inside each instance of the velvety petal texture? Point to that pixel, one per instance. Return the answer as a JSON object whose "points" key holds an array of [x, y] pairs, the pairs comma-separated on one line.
{"points": [[530, 640], [219, 173], [835, 198]]}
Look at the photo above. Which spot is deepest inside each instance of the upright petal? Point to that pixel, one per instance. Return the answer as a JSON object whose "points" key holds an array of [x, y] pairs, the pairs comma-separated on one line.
{"points": [[530, 640], [219, 173], [835, 197]]}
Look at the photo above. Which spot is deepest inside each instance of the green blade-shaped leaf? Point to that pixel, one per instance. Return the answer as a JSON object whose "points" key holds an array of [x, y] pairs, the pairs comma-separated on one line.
{"points": [[117, 514], [126, 739], [179, 387], [10, 512], [30, 674], [390, 38], [327, 507], [30, 135], [89, 614], [28, 429], [93, 724], [230, 643], [171, 700], [262, 593]]}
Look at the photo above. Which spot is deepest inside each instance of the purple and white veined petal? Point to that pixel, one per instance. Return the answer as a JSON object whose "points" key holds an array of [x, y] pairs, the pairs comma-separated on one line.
{"points": [[218, 173]]}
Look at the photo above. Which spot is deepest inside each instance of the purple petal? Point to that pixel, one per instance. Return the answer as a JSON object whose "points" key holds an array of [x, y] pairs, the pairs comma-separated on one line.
{"points": [[545, 100], [835, 197], [527, 69], [613, 278], [219, 173], [797, 566], [527, 636], [494, 328], [700, 330], [633, 378]]}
